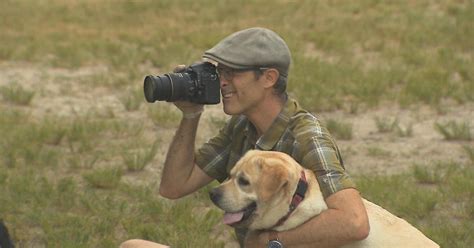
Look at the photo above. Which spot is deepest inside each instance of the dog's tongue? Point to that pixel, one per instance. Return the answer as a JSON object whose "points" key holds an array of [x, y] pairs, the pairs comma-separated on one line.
{"points": [[231, 218]]}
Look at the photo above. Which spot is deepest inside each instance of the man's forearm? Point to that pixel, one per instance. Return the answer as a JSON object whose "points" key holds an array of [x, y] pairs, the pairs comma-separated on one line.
{"points": [[344, 221], [179, 161], [329, 229]]}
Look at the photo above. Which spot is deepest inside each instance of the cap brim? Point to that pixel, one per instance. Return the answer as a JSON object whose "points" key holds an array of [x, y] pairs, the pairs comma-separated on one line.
{"points": [[233, 65], [224, 62]]}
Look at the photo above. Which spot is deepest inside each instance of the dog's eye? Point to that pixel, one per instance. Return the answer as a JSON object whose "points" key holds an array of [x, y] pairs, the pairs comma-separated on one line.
{"points": [[243, 182]]}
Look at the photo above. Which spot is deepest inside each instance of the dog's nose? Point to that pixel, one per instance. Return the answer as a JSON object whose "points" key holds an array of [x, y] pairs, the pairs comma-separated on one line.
{"points": [[215, 195]]}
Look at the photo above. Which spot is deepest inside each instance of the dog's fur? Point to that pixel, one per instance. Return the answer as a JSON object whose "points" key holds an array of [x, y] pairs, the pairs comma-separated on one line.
{"points": [[5, 241], [269, 180]]}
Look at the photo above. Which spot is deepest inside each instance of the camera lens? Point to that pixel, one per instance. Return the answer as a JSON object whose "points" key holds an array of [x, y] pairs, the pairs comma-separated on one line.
{"points": [[157, 88], [169, 87], [198, 83]]}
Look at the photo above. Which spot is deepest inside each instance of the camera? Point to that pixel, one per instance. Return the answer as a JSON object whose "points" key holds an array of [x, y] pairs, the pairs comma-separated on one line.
{"points": [[198, 83]]}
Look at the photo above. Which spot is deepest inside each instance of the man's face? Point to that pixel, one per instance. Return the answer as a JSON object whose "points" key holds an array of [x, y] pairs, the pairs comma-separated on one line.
{"points": [[241, 90]]}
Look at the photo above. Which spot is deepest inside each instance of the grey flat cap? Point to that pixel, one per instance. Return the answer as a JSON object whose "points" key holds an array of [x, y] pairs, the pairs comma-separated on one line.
{"points": [[251, 48]]}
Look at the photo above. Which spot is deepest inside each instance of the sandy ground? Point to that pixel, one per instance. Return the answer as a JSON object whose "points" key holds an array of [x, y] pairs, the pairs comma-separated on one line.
{"points": [[65, 92]]}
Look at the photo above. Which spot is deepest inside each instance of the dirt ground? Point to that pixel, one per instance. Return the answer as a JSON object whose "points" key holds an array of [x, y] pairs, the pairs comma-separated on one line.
{"points": [[64, 92]]}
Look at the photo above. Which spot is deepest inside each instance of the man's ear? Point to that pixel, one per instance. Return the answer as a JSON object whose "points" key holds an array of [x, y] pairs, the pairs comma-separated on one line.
{"points": [[271, 77]]}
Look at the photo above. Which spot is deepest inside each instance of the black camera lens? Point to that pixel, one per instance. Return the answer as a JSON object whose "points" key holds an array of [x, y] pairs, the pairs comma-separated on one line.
{"points": [[198, 83], [157, 88], [169, 87]]}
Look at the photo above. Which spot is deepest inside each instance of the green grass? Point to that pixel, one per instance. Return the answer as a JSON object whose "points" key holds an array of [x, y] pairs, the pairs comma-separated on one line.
{"points": [[339, 129], [132, 99], [136, 160], [163, 116], [425, 175], [16, 94], [366, 51], [470, 152], [55, 207], [436, 199], [386, 124], [62, 186], [61, 214], [106, 178], [453, 130], [392, 125]]}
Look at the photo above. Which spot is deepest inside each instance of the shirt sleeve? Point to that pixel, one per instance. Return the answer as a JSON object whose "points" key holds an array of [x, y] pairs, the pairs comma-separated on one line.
{"points": [[320, 154], [213, 155]]}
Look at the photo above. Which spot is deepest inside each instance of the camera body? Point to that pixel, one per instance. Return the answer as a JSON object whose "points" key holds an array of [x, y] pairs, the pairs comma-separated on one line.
{"points": [[198, 83]]}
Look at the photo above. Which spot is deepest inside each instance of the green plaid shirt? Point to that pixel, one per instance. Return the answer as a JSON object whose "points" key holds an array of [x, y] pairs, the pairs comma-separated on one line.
{"points": [[295, 132]]}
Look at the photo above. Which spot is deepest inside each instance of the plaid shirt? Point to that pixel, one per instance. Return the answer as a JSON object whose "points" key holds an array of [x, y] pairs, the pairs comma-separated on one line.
{"points": [[295, 132]]}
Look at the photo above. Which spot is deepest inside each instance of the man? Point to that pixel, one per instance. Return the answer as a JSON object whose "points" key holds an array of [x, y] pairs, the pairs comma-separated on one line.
{"points": [[253, 69]]}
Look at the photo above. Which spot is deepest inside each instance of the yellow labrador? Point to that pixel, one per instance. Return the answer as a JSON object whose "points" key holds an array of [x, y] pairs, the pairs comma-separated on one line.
{"points": [[271, 191]]}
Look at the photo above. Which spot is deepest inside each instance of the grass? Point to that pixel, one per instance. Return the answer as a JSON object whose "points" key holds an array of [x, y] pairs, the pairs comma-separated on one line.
{"points": [[16, 94], [438, 200], [453, 130], [99, 208], [163, 116], [136, 160], [392, 125], [132, 102], [386, 124], [470, 152], [416, 52], [40, 163], [425, 175], [107, 178], [65, 176], [405, 131], [95, 217], [339, 129]]}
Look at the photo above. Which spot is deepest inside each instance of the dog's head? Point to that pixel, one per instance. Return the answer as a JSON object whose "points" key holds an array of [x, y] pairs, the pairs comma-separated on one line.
{"points": [[259, 189]]}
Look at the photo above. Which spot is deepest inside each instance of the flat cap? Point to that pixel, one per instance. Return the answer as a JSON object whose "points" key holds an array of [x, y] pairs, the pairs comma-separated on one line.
{"points": [[253, 47]]}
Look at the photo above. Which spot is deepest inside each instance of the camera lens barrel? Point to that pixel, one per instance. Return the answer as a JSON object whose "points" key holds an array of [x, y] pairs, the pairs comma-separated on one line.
{"points": [[199, 83], [157, 88], [168, 87]]}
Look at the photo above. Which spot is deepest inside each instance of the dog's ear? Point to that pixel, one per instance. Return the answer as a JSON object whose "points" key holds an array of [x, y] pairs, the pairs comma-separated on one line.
{"points": [[272, 180]]}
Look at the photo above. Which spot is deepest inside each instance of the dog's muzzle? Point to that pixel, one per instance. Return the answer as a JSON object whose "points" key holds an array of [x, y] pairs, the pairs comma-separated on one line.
{"points": [[235, 219]]}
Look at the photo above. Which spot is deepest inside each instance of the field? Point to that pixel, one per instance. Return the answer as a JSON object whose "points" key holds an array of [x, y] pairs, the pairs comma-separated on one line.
{"points": [[81, 152]]}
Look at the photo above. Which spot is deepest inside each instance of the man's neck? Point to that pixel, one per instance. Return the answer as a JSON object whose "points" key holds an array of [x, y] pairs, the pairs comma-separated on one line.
{"points": [[263, 117]]}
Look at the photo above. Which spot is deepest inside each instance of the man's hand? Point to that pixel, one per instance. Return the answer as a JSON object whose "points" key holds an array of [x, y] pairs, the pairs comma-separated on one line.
{"points": [[189, 109]]}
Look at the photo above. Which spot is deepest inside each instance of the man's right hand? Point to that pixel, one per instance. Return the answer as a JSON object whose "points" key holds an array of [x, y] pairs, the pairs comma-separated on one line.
{"points": [[188, 108]]}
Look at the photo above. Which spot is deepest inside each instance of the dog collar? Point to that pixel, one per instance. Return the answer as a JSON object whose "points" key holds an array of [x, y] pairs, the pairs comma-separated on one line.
{"points": [[298, 197]]}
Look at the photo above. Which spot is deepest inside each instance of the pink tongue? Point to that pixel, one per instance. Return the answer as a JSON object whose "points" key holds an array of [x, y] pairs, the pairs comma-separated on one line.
{"points": [[230, 218]]}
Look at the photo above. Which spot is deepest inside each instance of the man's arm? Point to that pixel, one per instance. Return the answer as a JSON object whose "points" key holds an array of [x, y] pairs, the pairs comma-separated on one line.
{"points": [[181, 175], [344, 221]]}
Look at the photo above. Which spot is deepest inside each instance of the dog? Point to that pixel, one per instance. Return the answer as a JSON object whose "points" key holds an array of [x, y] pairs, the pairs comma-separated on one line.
{"points": [[269, 190], [5, 241]]}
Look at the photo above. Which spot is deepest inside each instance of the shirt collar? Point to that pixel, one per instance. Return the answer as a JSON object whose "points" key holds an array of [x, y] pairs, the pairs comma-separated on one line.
{"points": [[270, 138]]}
